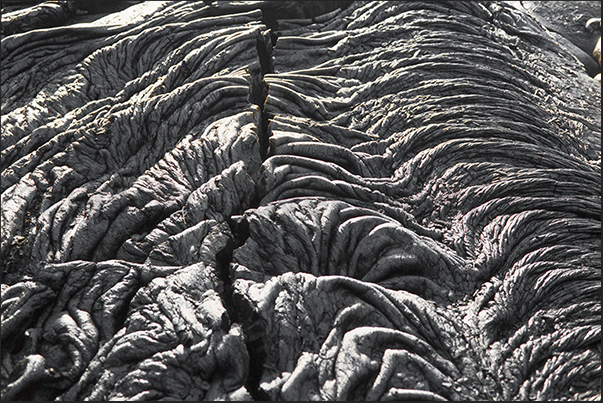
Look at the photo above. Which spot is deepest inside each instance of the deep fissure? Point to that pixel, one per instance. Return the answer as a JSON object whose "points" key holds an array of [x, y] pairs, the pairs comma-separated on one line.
{"points": [[238, 309], [259, 88]]}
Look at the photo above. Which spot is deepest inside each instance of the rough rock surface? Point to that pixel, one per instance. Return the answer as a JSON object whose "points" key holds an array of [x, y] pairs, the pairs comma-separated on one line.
{"points": [[299, 201]]}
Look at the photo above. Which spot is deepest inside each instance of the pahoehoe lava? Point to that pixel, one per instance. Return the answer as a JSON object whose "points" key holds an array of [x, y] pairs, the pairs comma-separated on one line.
{"points": [[264, 200]]}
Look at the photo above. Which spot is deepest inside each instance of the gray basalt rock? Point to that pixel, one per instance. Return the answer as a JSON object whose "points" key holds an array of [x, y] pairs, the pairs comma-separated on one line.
{"points": [[300, 201]]}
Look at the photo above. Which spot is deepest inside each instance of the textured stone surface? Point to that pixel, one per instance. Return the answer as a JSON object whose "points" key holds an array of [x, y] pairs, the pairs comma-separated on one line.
{"points": [[299, 201]]}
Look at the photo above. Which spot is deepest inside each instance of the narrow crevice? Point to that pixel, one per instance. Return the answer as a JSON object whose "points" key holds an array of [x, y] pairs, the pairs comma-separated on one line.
{"points": [[259, 88], [238, 308], [223, 259], [257, 357]]}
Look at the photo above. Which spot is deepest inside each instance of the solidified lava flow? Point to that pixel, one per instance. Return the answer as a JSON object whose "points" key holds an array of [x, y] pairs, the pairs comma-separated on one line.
{"points": [[264, 200]]}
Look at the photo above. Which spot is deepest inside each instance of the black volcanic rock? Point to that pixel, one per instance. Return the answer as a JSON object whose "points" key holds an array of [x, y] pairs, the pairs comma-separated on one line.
{"points": [[299, 201]]}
